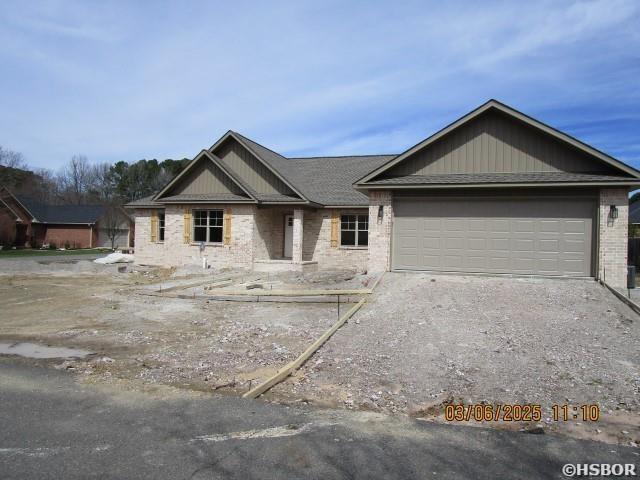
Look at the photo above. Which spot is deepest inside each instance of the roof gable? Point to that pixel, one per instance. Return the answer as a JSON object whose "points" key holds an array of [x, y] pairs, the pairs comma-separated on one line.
{"points": [[260, 169], [495, 138], [13, 205], [206, 176]]}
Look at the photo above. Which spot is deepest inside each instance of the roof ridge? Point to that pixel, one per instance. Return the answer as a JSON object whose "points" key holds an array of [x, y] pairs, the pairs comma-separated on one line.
{"points": [[259, 144], [344, 156]]}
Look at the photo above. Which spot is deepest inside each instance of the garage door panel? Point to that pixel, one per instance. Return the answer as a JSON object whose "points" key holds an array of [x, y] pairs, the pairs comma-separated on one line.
{"points": [[575, 226], [498, 226], [479, 225], [549, 246], [477, 262], [537, 236], [453, 261], [453, 243], [574, 246], [522, 245]]}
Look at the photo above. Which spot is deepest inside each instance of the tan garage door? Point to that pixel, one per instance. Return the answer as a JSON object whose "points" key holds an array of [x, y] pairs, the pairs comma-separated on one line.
{"points": [[537, 236]]}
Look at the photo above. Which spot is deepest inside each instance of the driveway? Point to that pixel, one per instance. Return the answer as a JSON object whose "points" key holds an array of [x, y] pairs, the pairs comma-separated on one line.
{"points": [[50, 427], [423, 340]]}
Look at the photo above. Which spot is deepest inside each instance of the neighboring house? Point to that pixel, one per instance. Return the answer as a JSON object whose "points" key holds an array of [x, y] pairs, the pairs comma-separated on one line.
{"points": [[28, 222], [494, 192]]}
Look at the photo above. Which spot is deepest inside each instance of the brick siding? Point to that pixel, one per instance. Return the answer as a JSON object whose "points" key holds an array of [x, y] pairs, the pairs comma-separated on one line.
{"points": [[75, 236], [613, 235], [380, 230], [173, 251], [255, 234]]}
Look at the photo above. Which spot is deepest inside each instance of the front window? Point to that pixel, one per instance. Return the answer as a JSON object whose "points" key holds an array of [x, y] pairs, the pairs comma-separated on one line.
{"points": [[207, 226], [161, 227], [354, 230]]}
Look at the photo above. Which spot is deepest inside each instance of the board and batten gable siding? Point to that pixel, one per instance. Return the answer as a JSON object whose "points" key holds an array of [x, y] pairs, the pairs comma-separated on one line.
{"points": [[495, 143], [206, 178], [247, 167]]}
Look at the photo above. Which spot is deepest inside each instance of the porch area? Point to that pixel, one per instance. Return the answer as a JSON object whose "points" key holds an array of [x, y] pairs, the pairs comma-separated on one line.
{"points": [[280, 240]]}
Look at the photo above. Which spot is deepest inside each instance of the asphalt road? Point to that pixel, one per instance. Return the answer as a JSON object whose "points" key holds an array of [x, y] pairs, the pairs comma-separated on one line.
{"points": [[53, 428]]}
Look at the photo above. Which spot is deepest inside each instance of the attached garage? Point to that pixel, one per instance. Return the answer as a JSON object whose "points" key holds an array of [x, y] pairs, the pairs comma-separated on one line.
{"points": [[499, 192], [527, 236]]}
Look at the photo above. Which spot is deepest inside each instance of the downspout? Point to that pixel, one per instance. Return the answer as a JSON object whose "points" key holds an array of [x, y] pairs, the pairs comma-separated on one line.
{"points": [[90, 236]]}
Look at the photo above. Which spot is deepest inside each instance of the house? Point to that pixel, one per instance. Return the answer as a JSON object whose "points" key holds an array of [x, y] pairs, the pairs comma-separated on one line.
{"points": [[25, 221], [494, 192]]}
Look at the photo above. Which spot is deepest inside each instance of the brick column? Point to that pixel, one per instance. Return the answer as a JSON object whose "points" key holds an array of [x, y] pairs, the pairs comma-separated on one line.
{"points": [[613, 237], [380, 230], [298, 222]]}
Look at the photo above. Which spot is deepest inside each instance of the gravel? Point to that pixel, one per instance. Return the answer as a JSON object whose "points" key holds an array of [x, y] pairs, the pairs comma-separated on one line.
{"points": [[422, 340]]}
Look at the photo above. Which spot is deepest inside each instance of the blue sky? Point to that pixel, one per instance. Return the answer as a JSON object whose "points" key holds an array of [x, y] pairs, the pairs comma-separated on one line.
{"points": [[131, 80]]}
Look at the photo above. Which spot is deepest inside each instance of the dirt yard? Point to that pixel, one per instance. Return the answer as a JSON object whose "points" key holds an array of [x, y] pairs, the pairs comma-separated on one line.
{"points": [[421, 341], [146, 340]]}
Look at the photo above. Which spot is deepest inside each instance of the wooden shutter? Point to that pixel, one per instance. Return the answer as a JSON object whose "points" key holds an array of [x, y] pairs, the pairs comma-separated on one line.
{"points": [[154, 226], [334, 229], [186, 234], [226, 227]]}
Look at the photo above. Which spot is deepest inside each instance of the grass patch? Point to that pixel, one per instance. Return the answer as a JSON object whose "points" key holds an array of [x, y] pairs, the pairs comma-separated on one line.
{"points": [[27, 252]]}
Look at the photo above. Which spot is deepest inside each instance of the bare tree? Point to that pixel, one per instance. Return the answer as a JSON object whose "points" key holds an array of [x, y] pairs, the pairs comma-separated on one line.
{"points": [[12, 167], [11, 159], [111, 222], [102, 188], [76, 179]]}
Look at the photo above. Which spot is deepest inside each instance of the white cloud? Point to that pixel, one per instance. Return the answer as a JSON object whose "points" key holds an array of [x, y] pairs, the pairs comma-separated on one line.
{"points": [[126, 81]]}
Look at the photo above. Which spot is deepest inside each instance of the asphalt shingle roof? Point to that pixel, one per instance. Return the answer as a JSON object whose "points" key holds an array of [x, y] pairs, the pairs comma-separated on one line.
{"points": [[542, 177], [143, 202], [329, 181], [43, 213], [323, 180]]}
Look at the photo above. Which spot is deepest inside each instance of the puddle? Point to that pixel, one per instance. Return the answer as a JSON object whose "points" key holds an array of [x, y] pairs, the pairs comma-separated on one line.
{"points": [[33, 350]]}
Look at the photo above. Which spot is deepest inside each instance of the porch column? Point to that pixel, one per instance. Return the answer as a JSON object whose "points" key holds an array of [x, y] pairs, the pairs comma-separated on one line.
{"points": [[296, 250]]}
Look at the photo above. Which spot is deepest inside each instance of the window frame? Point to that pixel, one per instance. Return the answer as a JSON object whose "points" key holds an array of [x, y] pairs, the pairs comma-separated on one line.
{"points": [[208, 226], [356, 230], [161, 226]]}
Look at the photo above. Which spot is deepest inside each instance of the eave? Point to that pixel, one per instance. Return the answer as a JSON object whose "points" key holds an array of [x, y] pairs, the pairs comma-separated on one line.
{"points": [[429, 186]]}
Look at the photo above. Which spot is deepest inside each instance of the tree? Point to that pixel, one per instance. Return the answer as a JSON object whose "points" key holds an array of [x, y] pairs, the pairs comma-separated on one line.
{"points": [[76, 179], [13, 169], [111, 221], [11, 159]]}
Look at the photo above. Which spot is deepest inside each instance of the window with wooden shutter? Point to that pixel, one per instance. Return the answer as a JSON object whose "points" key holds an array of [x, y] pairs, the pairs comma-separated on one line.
{"points": [[154, 226], [334, 229], [227, 227], [187, 226]]}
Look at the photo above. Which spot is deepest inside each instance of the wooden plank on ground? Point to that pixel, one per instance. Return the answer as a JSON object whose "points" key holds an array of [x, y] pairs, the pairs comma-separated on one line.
{"points": [[294, 293], [297, 363]]}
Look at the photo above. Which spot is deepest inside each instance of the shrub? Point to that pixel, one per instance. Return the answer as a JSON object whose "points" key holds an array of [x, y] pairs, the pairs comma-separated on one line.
{"points": [[67, 244], [52, 245]]}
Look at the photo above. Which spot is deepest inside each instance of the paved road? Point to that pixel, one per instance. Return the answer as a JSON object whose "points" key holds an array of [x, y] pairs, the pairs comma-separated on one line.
{"points": [[53, 428]]}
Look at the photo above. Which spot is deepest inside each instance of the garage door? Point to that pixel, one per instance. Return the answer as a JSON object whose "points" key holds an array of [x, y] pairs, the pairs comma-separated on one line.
{"points": [[121, 238], [538, 236]]}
